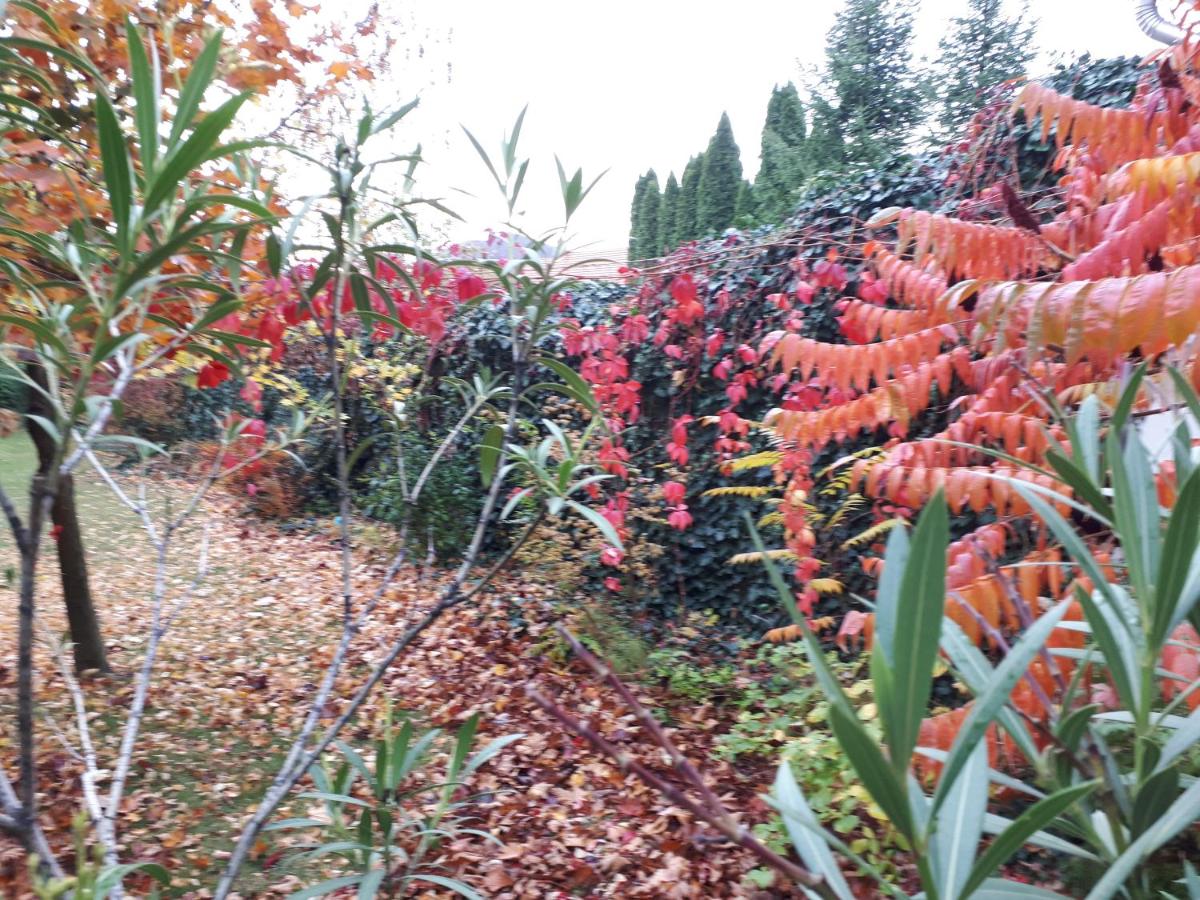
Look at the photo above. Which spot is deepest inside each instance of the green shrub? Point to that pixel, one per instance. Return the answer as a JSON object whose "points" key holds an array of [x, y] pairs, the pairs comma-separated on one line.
{"points": [[449, 504]]}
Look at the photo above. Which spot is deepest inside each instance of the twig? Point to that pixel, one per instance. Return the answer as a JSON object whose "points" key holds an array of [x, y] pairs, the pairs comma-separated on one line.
{"points": [[722, 821]]}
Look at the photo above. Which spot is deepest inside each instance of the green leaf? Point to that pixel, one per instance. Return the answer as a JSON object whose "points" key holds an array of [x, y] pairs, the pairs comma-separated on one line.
{"points": [[602, 524], [1135, 511], [1079, 481], [326, 887], [489, 453], [574, 381], [877, 776], [1002, 889], [369, 886], [146, 91], [1128, 397], [181, 160], [1153, 798], [1182, 813], [111, 876], [200, 77], [803, 829], [916, 611], [1032, 820], [1178, 553], [1181, 741], [994, 697], [118, 174], [959, 827], [450, 884]]}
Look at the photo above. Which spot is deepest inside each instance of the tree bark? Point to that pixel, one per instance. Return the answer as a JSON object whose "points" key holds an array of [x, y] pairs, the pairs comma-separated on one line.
{"points": [[87, 642]]}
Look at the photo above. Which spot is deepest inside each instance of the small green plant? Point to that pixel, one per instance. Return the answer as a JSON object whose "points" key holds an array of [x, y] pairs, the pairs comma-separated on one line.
{"points": [[676, 670], [385, 816], [93, 880], [1112, 806]]}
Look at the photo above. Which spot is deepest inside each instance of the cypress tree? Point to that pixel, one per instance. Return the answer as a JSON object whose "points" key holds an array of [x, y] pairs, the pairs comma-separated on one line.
{"points": [[635, 222], [647, 234], [744, 208], [869, 86], [667, 215], [719, 180], [783, 155], [981, 49], [686, 228], [785, 115]]}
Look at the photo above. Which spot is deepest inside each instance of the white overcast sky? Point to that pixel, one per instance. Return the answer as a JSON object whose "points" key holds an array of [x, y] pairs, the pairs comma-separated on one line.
{"points": [[627, 85]]}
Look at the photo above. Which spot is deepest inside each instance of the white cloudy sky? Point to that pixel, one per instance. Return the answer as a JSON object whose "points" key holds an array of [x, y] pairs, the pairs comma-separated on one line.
{"points": [[632, 84]]}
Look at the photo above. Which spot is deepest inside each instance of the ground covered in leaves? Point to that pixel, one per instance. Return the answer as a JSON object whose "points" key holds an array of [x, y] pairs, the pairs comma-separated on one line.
{"points": [[245, 656]]}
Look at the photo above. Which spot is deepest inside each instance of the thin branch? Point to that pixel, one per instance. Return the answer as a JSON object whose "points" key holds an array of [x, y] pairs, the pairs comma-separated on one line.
{"points": [[723, 822]]}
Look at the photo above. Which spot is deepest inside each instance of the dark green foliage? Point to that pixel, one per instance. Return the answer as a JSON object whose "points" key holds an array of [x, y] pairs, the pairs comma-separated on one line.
{"points": [[744, 210], [785, 116], [635, 217], [719, 181], [686, 228], [780, 174], [667, 214], [981, 50], [783, 155], [645, 239], [449, 505], [12, 393], [869, 90]]}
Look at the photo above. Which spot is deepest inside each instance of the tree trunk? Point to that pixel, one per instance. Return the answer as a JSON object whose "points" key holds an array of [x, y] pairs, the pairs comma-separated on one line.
{"points": [[86, 640]]}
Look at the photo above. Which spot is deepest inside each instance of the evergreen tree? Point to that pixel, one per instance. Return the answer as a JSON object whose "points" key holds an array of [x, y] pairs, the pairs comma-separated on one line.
{"points": [[647, 233], [719, 181], [686, 228], [783, 166], [667, 215], [981, 49], [785, 115], [744, 208], [869, 86], [635, 222]]}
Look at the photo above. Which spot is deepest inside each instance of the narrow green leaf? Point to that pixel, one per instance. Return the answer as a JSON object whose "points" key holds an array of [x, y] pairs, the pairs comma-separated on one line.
{"points": [[918, 605], [604, 526], [1032, 820], [181, 160], [1181, 814], [326, 887], [146, 92], [960, 825], [200, 77], [489, 453], [877, 776], [1179, 551], [1002, 889], [118, 174], [995, 696], [804, 830]]}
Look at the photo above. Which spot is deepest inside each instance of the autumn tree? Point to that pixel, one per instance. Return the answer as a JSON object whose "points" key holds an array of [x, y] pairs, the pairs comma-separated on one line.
{"points": [[46, 179], [981, 50], [869, 97], [720, 178]]}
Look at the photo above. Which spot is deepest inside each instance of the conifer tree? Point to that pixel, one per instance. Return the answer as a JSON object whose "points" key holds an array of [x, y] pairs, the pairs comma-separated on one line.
{"points": [[647, 233], [719, 181], [635, 229], [667, 215], [981, 50], [782, 166], [686, 228], [871, 94], [744, 208]]}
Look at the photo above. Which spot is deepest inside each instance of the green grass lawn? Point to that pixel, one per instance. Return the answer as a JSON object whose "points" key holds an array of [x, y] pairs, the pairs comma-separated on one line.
{"points": [[108, 526]]}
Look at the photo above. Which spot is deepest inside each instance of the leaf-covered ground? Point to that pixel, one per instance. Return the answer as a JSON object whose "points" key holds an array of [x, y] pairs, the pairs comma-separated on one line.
{"points": [[245, 656]]}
